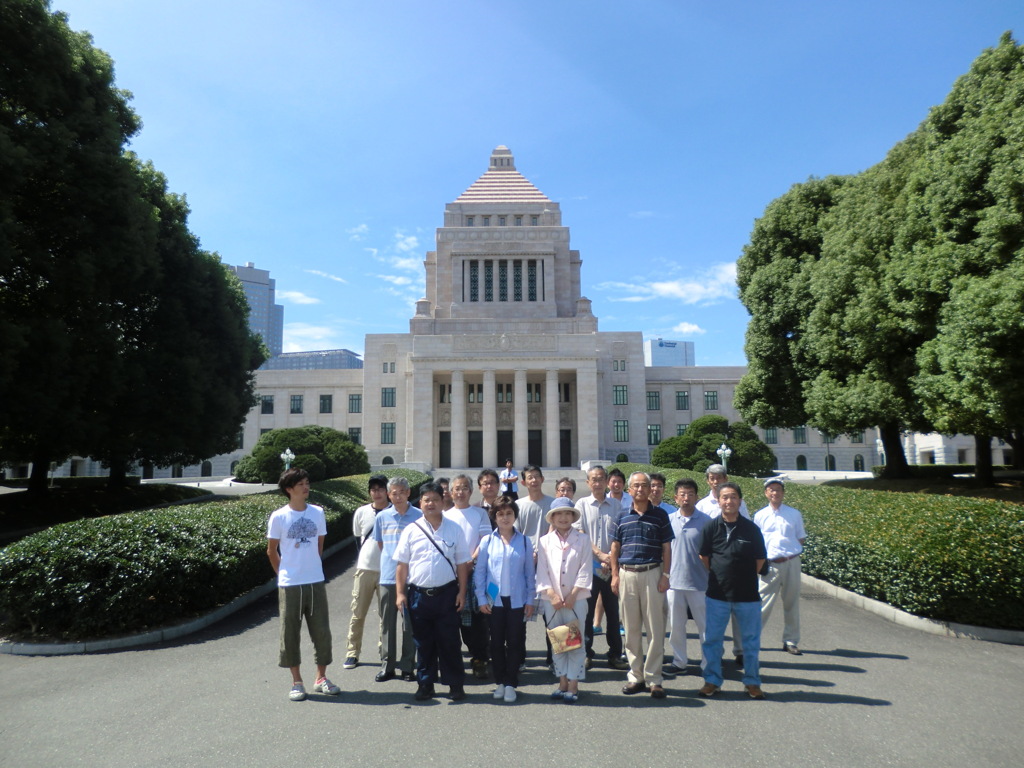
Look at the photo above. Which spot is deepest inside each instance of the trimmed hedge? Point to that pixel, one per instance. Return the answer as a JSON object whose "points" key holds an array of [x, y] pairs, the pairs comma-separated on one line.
{"points": [[946, 558], [928, 471], [135, 571]]}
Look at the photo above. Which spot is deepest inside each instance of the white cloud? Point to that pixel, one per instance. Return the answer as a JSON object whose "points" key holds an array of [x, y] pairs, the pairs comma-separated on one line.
{"points": [[642, 215], [357, 233], [297, 297], [303, 337], [327, 275], [411, 264], [406, 243], [688, 329], [718, 282], [396, 279]]}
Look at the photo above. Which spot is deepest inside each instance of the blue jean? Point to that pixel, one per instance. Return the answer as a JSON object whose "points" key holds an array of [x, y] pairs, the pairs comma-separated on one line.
{"points": [[749, 617]]}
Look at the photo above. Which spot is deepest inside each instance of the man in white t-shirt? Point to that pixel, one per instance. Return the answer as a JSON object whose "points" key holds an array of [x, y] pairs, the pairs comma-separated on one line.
{"points": [[509, 480], [295, 548], [475, 525], [431, 577], [783, 529], [366, 585]]}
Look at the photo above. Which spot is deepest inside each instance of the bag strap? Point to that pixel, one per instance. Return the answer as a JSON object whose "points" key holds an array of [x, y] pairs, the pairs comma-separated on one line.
{"points": [[431, 539]]}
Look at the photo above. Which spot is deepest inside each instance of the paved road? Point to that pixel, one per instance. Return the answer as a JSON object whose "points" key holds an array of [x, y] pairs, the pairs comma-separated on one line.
{"points": [[866, 693]]}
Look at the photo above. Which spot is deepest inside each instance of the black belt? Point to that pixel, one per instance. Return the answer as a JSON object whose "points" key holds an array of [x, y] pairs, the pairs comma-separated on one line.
{"points": [[431, 591], [640, 568]]}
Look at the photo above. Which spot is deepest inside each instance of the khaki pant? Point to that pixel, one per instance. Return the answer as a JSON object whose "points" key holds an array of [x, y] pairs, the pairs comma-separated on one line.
{"points": [[307, 601], [642, 608], [364, 589]]}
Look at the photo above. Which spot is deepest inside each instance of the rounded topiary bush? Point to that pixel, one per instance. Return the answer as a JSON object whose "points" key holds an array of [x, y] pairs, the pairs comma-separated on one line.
{"points": [[337, 454]]}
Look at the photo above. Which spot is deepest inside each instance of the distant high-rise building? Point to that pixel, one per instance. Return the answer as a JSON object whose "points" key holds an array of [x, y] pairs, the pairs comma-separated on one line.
{"points": [[661, 352], [320, 360], [265, 317]]}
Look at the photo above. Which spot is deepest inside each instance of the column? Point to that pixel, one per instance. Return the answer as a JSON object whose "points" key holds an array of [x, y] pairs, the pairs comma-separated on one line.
{"points": [[420, 448], [588, 409], [552, 427], [460, 438], [521, 437], [490, 420]]}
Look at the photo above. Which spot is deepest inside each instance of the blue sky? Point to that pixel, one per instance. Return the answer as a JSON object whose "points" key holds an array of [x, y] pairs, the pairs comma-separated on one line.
{"points": [[321, 139]]}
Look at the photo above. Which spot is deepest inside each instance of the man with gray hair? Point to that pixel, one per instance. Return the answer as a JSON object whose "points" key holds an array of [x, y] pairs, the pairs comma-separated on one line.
{"points": [[387, 529], [641, 558]]}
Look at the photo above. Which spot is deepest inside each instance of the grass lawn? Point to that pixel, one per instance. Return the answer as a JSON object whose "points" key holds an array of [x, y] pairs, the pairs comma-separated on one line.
{"points": [[1009, 486]]}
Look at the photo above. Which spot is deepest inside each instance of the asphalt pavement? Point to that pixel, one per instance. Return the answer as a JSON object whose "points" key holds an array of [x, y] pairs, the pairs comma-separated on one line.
{"points": [[866, 692]]}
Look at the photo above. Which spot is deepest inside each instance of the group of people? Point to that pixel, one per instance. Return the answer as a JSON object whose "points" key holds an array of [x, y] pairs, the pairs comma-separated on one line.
{"points": [[450, 572]]}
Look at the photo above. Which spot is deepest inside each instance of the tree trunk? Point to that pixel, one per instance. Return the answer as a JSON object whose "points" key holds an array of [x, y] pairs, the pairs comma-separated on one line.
{"points": [[118, 474], [38, 481], [983, 460], [895, 459]]}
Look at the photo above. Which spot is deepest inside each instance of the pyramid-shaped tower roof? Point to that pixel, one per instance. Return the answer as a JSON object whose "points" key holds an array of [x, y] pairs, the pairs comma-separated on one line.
{"points": [[502, 183]]}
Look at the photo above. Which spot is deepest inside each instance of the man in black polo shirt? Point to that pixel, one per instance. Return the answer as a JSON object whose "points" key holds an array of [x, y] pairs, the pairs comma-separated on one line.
{"points": [[732, 549], [641, 554]]}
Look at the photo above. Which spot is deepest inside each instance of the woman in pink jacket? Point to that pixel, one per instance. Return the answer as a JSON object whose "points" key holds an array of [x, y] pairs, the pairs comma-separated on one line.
{"points": [[565, 574]]}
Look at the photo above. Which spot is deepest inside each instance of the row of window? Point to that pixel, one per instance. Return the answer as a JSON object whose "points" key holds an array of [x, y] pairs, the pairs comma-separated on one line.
{"points": [[296, 404], [771, 436], [621, 427], [488, 292], [502, 392], [388, 366], [502, 221], [620, 396]]}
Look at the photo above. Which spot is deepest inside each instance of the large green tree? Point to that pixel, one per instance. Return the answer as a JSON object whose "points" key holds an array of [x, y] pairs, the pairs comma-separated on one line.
{"points": [[188, 362], [76, 237]]}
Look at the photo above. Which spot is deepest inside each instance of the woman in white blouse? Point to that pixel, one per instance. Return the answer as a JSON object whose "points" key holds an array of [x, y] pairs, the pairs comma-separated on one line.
{"points": [[565, 574]]}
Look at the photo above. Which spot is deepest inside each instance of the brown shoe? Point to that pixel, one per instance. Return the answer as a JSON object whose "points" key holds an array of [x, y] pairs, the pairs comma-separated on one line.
{"points": [[657, 692], [630, 688], [755, 692], [709, 690], [480, 669]]}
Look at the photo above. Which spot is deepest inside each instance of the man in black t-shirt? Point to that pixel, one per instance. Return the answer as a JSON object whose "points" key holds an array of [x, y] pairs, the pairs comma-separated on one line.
{"points": [[732, 549]]}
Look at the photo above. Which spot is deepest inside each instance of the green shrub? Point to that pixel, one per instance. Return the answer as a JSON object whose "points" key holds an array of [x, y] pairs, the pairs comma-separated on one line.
{"points": [[140, 570], [84, 481], [946, 558], [340, 457]]}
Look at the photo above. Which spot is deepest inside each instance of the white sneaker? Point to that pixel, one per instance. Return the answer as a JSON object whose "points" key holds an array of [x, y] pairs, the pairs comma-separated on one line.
{"points": [[510, 694], [298, 692], [323, 685], [499, 691]]}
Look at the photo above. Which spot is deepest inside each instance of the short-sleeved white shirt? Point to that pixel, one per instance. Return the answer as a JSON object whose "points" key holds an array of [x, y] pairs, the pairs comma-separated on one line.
{"points": [[473, 521], [428, 567], [362, 529], [782, 530], [298, 535]]}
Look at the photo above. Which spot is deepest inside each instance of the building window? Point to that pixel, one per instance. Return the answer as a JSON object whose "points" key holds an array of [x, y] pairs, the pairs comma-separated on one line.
{"points": [[469, 221], [266, 404], [858, 438], [682, 400], [615, 365], [268, 429], [501, 221], [296, 404], [355, 434], [517, 280], [519, 221], [711, 401], [621, 431], [387, 397], [622, 365], [508, 393], [474, 280], [503, 280], [241, 439], [653, 434], [801, 463], [654, 401], [475, 393], [488, 280], [392, 367], [387, 433], [355, 403], [565, 393], [385, 367], [326, 403], [620, 395], [487, 221], [446, 393], [800, 436], [531, 280], [534, 221], [827, 439], [681, 429], [858, 463], [771, 436]]}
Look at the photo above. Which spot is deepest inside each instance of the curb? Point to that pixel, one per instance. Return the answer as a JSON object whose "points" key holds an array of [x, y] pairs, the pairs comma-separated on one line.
{"points": [[158, 635], [904, 619]]}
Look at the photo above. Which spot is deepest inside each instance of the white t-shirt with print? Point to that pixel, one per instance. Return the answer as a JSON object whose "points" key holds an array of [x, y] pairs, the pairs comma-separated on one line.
{"points": [[298, 535]]}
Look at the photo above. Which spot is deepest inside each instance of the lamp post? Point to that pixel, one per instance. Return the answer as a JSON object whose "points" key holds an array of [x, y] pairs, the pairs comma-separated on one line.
{"points": [[828, 449], [724, 453], [287, 457]]}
